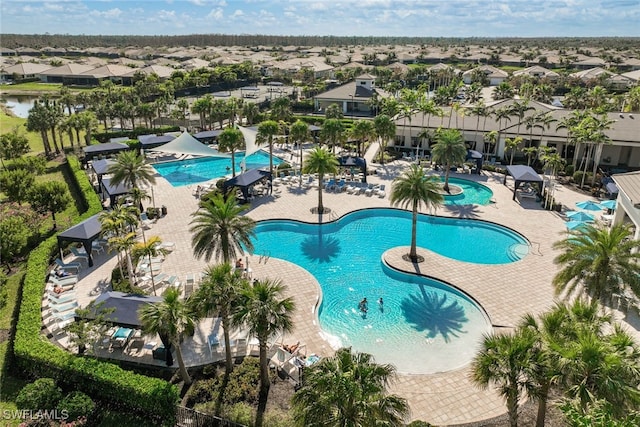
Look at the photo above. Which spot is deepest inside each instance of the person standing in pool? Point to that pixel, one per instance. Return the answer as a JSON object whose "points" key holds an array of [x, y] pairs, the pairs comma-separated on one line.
{"points": [[363, 305], [381, 305]]}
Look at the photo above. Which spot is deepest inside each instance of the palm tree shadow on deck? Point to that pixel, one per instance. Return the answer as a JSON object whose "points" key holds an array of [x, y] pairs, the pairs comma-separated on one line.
{"points": [[463, 211], [433, 313]]}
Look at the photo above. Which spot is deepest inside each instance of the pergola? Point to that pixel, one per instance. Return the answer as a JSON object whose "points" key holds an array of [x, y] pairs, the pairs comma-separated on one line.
{"points": [[246, 180], [101, 167], [114, 191], [147, 142], [84, 232], [354, 162], [103, 149], [522, 174]]}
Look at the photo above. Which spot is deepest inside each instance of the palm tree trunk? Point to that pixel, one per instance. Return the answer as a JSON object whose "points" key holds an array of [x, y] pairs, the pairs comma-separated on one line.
{"points": [[512, 408], [320, 206], [183, 369], [271, 155], [414, 228], [542, 406], [446, 177], [264, 383], [227, 351]]}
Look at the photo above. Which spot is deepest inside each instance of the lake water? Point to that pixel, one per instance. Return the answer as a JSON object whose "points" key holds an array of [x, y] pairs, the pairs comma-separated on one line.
{"points": [[19, 104]]}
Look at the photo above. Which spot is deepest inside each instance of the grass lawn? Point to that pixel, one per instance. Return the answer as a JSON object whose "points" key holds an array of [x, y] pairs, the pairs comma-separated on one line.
{"points": [[511, 68], [32, 86]]}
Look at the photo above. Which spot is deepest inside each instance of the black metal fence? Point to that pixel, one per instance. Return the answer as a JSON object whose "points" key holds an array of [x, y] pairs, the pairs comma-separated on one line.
{"points": [[186, 417]]}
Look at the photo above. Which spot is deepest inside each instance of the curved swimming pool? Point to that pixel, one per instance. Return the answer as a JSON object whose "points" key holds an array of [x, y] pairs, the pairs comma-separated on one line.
{"points": [[424, 325], [473, 193], [186, 172]]}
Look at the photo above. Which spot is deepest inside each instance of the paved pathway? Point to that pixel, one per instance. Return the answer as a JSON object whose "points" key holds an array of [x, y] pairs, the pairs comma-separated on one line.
{"points": [[506, 292]]}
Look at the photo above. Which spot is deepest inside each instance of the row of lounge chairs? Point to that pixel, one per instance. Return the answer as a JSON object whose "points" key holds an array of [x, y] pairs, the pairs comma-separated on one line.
{"points": [[356, 188]]}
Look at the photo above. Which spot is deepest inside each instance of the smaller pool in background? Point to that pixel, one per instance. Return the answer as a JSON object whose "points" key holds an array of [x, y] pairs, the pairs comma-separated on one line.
{"points": [[473, 193], [186, 172]]}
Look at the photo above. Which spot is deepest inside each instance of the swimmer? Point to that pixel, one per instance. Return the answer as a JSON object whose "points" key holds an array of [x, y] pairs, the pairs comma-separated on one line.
{"points": [[363, 305]]}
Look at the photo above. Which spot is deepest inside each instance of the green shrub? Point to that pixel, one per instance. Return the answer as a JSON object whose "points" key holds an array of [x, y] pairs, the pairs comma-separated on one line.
{"points": [[577, 177], [40, 395], [202, 391], [77, 404], [241, 413], [569, 170], [277, 418], [36, 165], [37, 357], [418, 423], [244, 382]]}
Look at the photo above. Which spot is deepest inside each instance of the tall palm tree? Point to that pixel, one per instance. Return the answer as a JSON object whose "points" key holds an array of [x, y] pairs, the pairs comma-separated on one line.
{"points": [[149, 248], [511, 144], [554, 329], [385, 130], [503, 113], [131, 169], [332, 133], [265, 313], [362, 131], [220, 230], [266, 131], [117, 223], [322, 162], [414, 189], [299, 133], [231, 140], [219, 292], [348, 389], [448, 150], [505, 361], [598, 261], [171, 319]]}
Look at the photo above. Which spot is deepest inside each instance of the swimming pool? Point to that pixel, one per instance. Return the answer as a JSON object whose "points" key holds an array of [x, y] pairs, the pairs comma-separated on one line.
{"points": [[473, 193], [425, 326], [193, 171]]}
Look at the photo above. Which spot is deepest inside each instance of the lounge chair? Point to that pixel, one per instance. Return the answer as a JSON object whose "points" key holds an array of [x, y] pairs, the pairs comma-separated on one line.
{"points": [[63, 281], [380, 191], [64, 316], [63, 306], [167, 246], [62, 297], [97, 247], [82, 255], [189, 283], [145, 221], [75, 266], [121, 337]]}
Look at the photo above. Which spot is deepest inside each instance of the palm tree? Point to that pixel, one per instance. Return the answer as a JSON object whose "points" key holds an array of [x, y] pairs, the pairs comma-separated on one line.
{"points": [[332, 133], [511, 144], [348, 389], [503, 113], [598, 261], [265, 313], [386, 130], [322, 162], [219, 292], [219, 229], [131, 169], [362, 131], [231, 140], [171, 319], [450, 150], [149, 248], [554, 329], [506, 361], [414, 189], [266, 131], [116, 224], [490, 138], [299, 133]]}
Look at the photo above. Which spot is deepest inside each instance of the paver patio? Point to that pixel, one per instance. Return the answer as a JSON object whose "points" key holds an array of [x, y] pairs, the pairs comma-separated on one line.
{"points": [[506, 292]]}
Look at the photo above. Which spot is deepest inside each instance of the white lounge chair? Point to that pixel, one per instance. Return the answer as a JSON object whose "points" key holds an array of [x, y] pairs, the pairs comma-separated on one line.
{"points": [[80, 254]]}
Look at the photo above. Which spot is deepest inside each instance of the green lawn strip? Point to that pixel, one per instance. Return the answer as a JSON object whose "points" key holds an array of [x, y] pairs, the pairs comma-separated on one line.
{"points": [[6, 312], [32, 86]]}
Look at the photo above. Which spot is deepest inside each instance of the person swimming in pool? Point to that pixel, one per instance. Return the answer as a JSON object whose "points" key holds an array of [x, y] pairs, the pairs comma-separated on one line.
{"points": [[381, 305]]}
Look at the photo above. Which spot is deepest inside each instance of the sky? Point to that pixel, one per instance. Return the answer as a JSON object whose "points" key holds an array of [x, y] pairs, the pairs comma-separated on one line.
{"points": [[426, 18]]}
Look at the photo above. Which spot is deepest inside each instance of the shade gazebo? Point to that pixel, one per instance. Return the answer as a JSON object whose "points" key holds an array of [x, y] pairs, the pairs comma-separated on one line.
{"points": [[84, 232], [105, 149], [522, 174], [246, 180], [113, 191]]}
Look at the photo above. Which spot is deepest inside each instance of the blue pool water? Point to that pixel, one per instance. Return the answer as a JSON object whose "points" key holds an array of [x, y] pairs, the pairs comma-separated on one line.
{"points": [[187, 172], [425, 326], [473, 193]]}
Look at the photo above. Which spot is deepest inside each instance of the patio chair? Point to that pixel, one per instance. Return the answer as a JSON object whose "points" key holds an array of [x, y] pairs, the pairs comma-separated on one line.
{"points": [[63, 306], [145, 221], [63, 281], [188, 285], [60, 298], [97, 247], [380, 191], [168, 246]]}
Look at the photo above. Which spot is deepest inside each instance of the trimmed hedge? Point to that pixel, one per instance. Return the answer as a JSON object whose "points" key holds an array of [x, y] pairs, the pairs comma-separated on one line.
{"points": [[38, 357]]}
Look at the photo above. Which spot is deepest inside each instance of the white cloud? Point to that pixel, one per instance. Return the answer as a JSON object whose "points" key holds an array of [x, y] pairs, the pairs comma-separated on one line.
{"points": [[106, 14], [237, 13], [216, 14]]}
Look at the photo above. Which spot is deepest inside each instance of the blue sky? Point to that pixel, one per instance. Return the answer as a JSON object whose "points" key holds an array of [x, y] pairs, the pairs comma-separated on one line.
{"points": [[429, 18]]}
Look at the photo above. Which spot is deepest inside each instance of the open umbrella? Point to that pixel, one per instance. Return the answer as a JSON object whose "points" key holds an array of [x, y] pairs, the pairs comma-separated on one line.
{"points": [[609, 204], [589, 205], [579, 216], [572, 225]]}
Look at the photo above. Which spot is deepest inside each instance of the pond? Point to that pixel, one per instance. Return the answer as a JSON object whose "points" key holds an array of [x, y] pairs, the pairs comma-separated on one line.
{"points": [[19, 104]]}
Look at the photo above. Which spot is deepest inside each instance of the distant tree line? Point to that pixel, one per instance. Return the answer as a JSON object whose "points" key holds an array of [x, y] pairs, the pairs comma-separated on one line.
{"points": [[36, 41]]}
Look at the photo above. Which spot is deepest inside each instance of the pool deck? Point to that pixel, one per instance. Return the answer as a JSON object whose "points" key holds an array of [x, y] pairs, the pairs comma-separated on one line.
{"points": [[506, 292]]}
